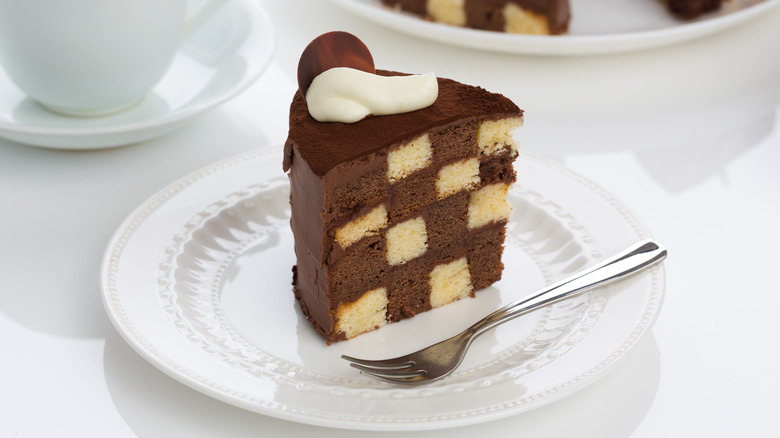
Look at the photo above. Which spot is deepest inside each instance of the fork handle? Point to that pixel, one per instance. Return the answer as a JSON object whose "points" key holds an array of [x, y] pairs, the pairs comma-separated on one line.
{"points": [[621, 265]]}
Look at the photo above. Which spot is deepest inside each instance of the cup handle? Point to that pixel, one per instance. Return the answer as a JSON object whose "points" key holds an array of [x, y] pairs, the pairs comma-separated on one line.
{"points": [[201, 16]]}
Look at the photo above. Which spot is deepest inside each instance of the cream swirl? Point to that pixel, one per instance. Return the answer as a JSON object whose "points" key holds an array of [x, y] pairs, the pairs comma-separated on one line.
{"points": [[348, 95]]}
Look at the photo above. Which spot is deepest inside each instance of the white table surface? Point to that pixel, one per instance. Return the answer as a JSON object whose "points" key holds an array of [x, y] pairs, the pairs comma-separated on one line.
{"points": [[687, 136]]}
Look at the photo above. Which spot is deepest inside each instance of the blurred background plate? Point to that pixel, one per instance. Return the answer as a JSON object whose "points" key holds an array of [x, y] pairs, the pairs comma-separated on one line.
{"points": [[597, 27]]}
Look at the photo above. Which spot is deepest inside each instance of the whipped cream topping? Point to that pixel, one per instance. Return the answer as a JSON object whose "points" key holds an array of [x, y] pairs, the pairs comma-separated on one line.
{"points": [[348, 95]]}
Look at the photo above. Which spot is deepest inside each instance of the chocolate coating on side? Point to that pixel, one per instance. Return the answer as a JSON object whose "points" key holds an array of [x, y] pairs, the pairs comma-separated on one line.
{"points": [[331, 50], [326, 145]]}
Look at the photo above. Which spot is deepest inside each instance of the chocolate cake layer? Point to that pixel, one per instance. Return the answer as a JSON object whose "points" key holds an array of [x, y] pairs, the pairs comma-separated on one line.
{"points": [[395, 215]]}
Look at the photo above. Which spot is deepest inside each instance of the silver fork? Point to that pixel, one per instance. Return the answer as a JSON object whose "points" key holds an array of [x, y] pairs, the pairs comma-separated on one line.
{"points": [[440, 359]]}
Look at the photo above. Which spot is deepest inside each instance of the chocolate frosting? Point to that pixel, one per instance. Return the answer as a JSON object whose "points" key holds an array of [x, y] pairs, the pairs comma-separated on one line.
{"points": [[323, 146]]}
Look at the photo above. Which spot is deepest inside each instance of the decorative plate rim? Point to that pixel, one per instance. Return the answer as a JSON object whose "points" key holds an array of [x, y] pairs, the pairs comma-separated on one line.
{"points": [[146, 348]]}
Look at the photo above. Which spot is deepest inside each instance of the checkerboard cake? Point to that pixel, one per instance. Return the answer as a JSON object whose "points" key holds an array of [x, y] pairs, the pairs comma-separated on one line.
{"points": [[533, 17], [398, 214]]}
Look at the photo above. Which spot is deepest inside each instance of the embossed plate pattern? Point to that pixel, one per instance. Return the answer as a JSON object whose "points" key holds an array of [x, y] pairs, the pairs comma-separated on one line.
{"points": [[197, 280]]}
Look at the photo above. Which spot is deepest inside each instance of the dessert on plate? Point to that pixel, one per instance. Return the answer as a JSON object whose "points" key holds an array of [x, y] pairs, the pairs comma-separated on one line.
{"points": [[398, 188], [533, 17], [536, 17]]}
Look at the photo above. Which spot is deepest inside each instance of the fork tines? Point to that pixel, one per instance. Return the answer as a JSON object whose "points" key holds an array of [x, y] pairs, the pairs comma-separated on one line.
{"points": [[395, 372]]}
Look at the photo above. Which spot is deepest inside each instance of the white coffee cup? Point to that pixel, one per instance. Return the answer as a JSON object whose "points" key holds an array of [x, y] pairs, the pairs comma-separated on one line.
{"points": [[92, 57]]}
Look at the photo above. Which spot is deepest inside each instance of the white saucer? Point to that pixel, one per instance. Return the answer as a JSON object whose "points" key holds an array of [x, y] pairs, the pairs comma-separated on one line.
{"points": [[219, 61], [597, 27]]}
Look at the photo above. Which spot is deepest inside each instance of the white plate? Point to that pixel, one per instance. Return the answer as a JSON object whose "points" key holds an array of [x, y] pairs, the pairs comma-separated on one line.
{"points": [[219, 61], [597, 27], [197, 280]]}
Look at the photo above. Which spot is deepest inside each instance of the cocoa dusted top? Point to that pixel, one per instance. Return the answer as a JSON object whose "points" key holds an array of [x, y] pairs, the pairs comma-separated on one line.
{"points": [[325, 145]]}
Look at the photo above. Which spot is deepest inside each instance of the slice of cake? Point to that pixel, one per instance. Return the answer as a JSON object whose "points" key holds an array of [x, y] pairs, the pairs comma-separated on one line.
{"points": [[392, 214], [536, 17]]}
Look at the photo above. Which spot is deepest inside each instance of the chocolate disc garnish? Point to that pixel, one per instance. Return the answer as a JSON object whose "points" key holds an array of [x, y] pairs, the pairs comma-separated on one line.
{"points": [[330, 50]]}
